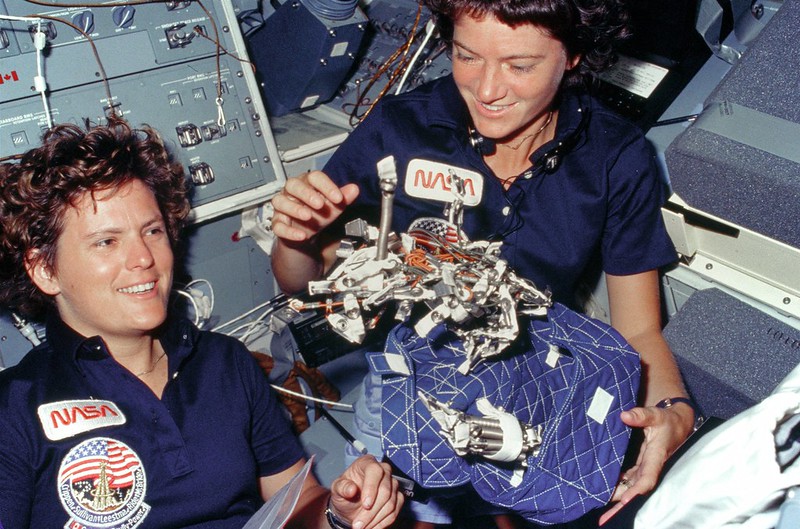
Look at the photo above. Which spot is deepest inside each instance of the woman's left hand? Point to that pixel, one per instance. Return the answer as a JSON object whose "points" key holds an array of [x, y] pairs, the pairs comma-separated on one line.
{"points": [[665, 429]]}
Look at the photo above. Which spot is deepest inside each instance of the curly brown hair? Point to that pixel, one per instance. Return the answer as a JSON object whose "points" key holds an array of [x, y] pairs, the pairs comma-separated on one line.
{"points": [[70, 162], [592, 29]]}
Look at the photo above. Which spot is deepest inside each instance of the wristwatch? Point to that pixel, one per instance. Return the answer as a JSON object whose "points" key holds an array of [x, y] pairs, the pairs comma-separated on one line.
{"points": [[669, 402], [334, 521]]}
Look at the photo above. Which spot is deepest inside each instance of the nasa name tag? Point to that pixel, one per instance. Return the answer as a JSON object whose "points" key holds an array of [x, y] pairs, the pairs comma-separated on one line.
{"points": [[431, 180], [68, 418]]}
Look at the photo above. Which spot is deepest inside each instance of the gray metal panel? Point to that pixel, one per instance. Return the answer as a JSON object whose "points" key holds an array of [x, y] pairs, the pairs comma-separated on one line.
{"points": [[13, 345], [731, 353], [736, 180], [160, 73], [237, 268]]}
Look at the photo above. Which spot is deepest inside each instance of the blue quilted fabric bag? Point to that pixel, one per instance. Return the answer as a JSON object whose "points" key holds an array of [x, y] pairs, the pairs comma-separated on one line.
{"points": [[569, 373]]}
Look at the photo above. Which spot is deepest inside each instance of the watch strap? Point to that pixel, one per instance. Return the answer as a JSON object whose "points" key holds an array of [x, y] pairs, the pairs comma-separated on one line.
{"points": [[333, 520], [671, 401]]}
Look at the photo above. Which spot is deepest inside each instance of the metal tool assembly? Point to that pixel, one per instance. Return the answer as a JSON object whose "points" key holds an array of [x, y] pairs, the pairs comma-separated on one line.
{"points": [[464, 284]]}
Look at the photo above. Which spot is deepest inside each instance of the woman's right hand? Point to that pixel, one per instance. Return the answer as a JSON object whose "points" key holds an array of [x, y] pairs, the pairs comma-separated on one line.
{"points": [[307, 204]]}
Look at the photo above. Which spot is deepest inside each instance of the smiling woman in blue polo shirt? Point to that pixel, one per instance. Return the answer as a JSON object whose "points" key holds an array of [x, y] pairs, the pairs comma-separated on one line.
{"points": [[127, 417], [568, 186]]}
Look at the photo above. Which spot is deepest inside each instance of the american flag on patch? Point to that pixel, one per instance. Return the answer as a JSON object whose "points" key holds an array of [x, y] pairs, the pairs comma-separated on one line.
{"points": [[84, 462], [425, 226]]}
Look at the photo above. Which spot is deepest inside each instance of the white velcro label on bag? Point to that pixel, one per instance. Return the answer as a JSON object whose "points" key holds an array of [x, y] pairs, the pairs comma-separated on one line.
{"points": [[67, 418], [553, 354], [601, 402], [397, 363], [431, 180]]}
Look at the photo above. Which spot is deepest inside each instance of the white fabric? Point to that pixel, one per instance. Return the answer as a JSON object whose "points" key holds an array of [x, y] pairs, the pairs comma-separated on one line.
{"points": [[790, 383], [730, 477], [397, 363]]}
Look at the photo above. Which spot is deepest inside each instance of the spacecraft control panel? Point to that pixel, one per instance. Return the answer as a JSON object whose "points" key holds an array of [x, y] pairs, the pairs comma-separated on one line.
{"points": [[179, 66]]}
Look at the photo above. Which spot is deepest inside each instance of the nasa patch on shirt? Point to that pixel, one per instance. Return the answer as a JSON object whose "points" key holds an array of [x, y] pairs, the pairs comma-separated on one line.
{"points": [[68, 418], [431, 180], [102, 484]]}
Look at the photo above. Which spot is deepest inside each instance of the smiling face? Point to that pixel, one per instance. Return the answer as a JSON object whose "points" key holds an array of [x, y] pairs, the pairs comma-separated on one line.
{"points": [[508, 76], [113, 266]]}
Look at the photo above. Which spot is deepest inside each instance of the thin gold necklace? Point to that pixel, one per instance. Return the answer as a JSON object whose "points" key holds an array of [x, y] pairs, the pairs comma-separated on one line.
{"points": [[152, 367], [533, 135]]}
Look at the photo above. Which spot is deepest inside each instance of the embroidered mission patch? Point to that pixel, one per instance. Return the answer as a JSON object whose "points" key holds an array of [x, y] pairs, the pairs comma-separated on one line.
{"points": [[102, 484]]}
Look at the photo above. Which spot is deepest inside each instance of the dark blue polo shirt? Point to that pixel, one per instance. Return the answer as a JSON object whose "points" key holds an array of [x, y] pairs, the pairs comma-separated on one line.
{"points": [[83, 440], [599, 209]]}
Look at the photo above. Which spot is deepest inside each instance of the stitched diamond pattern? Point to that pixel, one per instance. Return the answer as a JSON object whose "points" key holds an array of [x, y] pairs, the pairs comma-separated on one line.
{"points": [[579, 461]]}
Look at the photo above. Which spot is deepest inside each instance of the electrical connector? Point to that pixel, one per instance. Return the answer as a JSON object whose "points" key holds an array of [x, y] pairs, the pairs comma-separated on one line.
{"points": [[26, 329], [202, 304], [39, 84], [39, 40]]}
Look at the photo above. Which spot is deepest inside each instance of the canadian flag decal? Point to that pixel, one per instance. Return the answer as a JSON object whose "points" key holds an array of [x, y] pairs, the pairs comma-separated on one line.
{"points": [[10, 76]]}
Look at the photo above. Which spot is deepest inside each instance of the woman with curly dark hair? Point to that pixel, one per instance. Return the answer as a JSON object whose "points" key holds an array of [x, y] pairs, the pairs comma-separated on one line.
{"points": [[127, 415], [39, 190], [568, 186]]}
